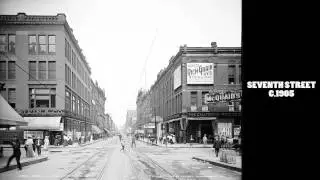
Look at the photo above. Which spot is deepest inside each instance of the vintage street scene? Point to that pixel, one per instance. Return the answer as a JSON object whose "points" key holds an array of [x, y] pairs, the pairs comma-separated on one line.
{"points": [[137, 90]]}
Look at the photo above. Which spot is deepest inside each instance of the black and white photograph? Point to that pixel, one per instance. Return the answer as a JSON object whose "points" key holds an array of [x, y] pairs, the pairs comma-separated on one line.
{"points": [[146, 89]]}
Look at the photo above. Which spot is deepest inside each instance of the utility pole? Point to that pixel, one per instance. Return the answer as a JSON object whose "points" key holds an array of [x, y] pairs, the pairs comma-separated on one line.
{"points": [[155, 124]]}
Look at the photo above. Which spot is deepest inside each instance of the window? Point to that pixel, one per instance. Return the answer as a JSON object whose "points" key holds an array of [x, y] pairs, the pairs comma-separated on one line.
{"points": [[3, 43], [3, 71], [12, 97], [231, 74], [240, 74], [42, 70], [73, 80], [32, 70], [42, 97], [73, 103], [12, 43], [53, 97], [74, 63], [3, 93], [11, 70], [52, 44], [193, 98], [68, 101], [203, 97], [32, 44], [52, 70], [42, 44], [66, 48]]}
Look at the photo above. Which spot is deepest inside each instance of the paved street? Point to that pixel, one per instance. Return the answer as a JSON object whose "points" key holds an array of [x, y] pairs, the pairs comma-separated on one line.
{"points": [[104, 160]]}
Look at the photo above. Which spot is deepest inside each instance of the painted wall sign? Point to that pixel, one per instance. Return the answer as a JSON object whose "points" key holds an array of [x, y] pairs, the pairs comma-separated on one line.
{"points": [[177, 77], [200, 73]]}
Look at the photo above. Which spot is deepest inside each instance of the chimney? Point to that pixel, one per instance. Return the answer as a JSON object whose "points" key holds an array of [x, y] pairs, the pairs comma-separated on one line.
{"points": [[61, 17], [214, 46], [21, 15]]}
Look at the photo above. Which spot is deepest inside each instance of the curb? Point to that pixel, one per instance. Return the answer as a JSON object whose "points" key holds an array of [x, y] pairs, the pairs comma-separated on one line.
{"points": [[27, 163], [219, 164]]}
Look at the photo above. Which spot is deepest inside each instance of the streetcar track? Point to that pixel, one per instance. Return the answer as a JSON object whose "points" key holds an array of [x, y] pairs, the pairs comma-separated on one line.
{"points": [[83, 164], [172, 175]]}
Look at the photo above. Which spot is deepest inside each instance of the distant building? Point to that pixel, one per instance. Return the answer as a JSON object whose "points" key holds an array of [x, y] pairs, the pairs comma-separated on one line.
{"points": [[130, 120]]}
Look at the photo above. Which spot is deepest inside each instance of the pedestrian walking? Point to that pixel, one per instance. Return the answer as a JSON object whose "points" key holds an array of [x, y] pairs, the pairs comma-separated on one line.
{"points": [[133, 142], [122, 145], [34, 144], [38, 145], [1, 152], [217, 145], [191, 140], [29, 144], [16, 152], [46, 144], [205, 139]]}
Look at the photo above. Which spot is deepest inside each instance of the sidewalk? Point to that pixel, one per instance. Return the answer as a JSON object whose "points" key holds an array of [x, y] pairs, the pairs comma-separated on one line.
{"points": [[37, 159], [178, 145], [205, 153], [24, 161]]}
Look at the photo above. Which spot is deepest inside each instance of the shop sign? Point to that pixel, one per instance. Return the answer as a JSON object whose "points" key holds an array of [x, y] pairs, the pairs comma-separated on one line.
{"points": [[41, 112], [224, 129], [222, 97], [236, 131], [149, 125]]}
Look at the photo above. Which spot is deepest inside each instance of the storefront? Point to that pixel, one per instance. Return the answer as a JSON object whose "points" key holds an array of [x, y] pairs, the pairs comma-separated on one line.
{"points": [[44, 126]]}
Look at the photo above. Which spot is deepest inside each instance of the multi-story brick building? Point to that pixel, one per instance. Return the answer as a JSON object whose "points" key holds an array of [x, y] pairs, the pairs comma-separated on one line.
{"points": [[193, 75], [130, 120], [46, 75]]}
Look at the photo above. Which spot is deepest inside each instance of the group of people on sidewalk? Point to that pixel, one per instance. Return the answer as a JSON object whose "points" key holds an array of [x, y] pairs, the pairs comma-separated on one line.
{"points": [[30, 146], [33, 145]]}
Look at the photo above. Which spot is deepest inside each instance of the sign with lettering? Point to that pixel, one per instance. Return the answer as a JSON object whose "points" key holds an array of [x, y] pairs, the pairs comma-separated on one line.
{"points": [[200, 73], [177, 78], [41, 112], [223, 97]]}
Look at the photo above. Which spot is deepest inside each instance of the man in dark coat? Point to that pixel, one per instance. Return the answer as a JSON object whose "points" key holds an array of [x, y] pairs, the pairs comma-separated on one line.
{"points": [[39, 143], [217, 145], [16, 152]]}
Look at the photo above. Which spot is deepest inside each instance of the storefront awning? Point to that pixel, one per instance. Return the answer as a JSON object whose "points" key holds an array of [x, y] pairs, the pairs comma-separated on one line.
{"points": [[43, 123], [106, 130], [8, 116], [96, 130]]}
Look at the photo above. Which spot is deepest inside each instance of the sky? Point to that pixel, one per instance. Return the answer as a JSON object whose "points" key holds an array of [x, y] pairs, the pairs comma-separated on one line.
{"points": [[127, 42]]}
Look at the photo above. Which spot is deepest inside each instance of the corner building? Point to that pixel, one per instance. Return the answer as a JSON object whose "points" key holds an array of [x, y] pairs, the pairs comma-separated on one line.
{"points": [[46, 75], [180, 97]]}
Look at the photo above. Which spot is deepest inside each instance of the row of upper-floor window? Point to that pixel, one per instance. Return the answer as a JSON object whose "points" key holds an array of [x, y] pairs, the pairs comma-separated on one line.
{"points": [[42, 70], [73, 59], [75, 83], [166, 88], [38, 70], [38, 97], [37, 43], [76, 104], [7, 70], [166, 107]]}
